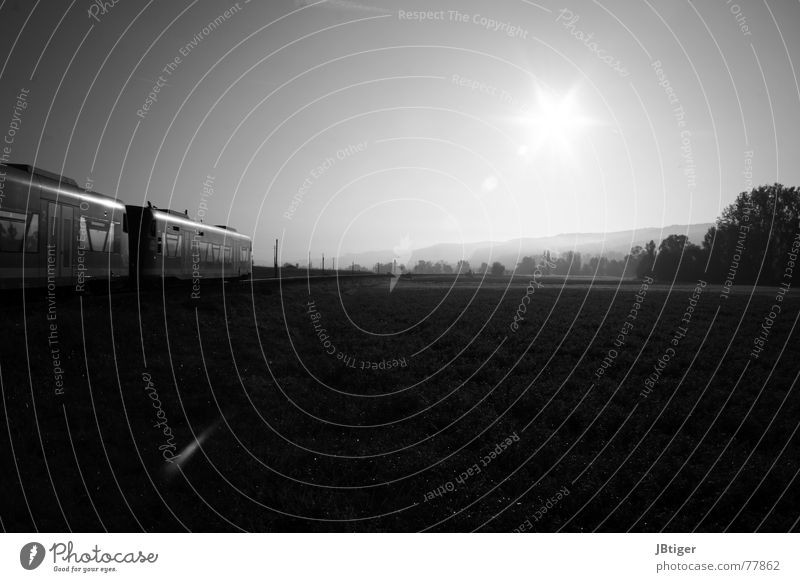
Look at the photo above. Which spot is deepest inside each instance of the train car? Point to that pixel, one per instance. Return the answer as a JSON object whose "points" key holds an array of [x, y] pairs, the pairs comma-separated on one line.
{"points": [[55, 233], [168, 244]]}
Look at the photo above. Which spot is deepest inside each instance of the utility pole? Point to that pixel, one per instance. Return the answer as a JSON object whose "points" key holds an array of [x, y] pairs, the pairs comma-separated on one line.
{"points": [[275, 272], [323, 263]]}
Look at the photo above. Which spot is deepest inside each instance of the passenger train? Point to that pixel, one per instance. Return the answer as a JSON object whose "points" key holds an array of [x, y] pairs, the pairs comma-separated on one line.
{"points": [[53, 232]]}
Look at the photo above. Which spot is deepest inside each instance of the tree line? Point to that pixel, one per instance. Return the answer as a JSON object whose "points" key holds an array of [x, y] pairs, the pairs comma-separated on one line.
{"points": [[750, 242]]}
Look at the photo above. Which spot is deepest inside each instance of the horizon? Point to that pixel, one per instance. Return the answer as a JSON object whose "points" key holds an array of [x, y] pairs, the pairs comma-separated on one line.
{"points": [[388, 253]]}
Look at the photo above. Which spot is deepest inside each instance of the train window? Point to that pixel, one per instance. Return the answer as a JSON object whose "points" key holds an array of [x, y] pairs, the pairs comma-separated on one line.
{"points": [[98, 233], [215, 254], [228, 254], [174, 244], [112, 243], [243, 254], [12, 231], [32, 238], [83, 235], [12, 228]]}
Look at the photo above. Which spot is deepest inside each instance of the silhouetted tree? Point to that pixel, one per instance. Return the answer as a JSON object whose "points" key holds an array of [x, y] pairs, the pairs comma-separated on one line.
{"points": [[423, 267], [498, 268], [548, 264], [526, 266], [669, 256], [753, 235], [678, 259], [592, 266], [568, 264], [632, 260], [645, 265]]}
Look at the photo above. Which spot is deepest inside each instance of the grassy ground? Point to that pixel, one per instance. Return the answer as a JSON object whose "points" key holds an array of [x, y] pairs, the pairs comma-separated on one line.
{"points": [[477, 426]]}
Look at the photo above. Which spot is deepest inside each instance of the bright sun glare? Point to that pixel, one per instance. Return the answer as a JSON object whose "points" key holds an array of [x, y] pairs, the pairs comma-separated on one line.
{"points": [[555, 124]]}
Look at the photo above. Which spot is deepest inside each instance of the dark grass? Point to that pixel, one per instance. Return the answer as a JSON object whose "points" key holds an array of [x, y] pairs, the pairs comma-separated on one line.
{"points": [[294, 440]]}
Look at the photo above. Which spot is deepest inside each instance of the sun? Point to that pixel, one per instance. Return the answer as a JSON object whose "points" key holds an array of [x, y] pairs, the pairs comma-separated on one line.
{"points": [[555, 124]]}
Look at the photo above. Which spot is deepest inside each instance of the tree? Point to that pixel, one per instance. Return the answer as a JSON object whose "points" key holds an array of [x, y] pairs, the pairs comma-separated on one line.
{"points": [[498, 268], [632, 261], [526, 266], [548, 264], [593, 265], [678, 259], [645, 264], [561, 266], [753, 235], [669, 256], [573, 262]]}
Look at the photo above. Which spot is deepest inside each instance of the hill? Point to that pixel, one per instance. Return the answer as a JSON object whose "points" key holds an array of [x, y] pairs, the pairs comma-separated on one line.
{"points": [[611, 245]]}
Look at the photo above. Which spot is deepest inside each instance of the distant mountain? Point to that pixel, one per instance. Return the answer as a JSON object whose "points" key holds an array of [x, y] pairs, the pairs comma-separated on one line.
{"points": [[611, 245]]}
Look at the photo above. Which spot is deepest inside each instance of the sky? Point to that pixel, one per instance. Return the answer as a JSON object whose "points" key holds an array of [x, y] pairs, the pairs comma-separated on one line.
{"points": [[345, 126]]}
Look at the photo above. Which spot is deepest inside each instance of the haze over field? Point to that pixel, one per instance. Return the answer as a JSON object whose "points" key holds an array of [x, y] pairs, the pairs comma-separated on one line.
{"points": [[509, 253]]}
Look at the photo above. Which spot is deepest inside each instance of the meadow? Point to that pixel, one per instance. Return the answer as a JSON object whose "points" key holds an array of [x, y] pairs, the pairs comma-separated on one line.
{"points": [[435, 405]]}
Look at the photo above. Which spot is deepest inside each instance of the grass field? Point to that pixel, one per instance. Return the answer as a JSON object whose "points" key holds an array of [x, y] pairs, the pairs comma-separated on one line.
{"points": [[342, 406]]}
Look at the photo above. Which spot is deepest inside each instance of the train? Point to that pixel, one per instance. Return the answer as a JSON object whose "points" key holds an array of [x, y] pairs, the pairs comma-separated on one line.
{"points": [[55, 233]]}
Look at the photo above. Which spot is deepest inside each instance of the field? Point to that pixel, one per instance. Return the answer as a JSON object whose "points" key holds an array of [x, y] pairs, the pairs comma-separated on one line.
{"points": [[439, 405]]}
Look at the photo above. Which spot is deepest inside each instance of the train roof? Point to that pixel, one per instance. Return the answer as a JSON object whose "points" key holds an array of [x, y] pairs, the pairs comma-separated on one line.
{"points": [[66, 186], [183, 218], [69, 187], [28, 169]]}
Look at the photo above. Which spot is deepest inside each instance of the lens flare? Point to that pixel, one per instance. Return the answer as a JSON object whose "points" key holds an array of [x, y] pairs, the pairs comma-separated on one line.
{"points": [[555, 124]]}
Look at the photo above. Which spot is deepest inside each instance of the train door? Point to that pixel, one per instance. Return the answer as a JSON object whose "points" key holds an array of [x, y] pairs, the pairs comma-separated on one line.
{"points": [[60, 230], [237, 257]]}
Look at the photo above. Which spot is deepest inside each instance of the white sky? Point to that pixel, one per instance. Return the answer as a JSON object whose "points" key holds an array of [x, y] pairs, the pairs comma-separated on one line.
{"points": [[466, 133]]}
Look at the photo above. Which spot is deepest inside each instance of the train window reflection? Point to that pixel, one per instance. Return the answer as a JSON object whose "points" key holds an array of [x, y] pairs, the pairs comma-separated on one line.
{"points": [[98, 233], [12, 230], [202, 250], [173, 245], [32, 239]]}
